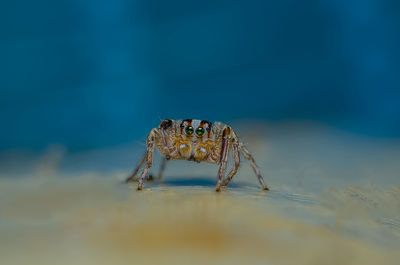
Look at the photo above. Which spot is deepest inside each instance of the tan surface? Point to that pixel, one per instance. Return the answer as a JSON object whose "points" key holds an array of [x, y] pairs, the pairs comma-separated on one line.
{"points": [[312, 215]]}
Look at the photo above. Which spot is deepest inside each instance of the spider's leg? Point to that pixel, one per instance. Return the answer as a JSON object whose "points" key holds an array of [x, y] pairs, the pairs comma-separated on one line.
{"points": [[149, 156], [236, 159], [167, 154], [162, 168], [224, 156], [248, 156], [133, 175]]}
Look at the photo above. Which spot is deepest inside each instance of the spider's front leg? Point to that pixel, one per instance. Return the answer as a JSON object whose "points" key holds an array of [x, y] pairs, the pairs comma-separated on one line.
{"points": [[224, 156], [151, 138], [236, 159]]}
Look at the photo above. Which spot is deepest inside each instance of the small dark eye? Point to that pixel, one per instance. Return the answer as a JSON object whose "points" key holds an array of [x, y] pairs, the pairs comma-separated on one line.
{"points": [[200, 131], [189, 130], [165, 124]]}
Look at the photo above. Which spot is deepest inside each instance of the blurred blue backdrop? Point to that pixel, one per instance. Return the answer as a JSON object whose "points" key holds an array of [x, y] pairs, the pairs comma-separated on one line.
{"points": [[88, 74]]}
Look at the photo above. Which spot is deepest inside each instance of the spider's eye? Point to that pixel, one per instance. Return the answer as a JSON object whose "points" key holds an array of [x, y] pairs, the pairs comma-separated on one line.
{"points": [[200, 131], [189, 130]]}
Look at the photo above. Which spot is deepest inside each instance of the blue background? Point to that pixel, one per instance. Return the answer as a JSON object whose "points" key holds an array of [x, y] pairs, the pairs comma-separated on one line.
{"points": [[87, 74]]}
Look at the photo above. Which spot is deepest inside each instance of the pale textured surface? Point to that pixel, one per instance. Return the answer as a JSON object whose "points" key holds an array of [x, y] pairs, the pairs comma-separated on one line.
{"points": [[334, 199]]}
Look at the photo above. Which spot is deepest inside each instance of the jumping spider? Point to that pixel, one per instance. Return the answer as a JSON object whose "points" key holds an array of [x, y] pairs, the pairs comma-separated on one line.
{"points": [[195, 140]]}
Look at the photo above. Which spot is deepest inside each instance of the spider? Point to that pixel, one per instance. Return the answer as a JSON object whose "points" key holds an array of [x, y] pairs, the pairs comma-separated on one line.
{"points": [[195, 140]]}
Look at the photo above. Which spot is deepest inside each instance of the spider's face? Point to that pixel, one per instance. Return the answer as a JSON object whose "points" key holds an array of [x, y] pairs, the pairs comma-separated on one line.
{"points": [[196, 128]]}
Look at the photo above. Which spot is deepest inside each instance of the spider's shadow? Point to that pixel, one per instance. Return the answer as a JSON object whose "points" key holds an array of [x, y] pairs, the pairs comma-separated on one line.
{"points": [[192, 181]]}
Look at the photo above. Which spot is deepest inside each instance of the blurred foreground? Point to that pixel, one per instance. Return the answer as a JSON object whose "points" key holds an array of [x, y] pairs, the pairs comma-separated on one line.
{"points": [[334, 199]]}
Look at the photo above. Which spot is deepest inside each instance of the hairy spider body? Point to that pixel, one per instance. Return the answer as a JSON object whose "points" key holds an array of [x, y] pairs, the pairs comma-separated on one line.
{"points": [[195, 140]]}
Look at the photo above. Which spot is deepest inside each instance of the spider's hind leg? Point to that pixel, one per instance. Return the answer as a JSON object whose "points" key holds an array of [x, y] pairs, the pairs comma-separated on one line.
{"points": [[162, 168], [132, 177], [249, 157]]}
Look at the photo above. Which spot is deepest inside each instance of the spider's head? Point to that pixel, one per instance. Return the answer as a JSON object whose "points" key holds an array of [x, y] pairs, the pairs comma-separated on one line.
{"points": [[197, 128]]}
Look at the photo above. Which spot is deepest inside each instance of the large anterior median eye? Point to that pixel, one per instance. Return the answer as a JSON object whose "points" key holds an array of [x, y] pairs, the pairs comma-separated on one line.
{"points": [[200, 131], [189, 130]]}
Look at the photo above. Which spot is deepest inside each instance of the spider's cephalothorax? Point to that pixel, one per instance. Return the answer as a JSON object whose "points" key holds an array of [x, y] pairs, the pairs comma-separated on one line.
{"points": [[196, 140]]}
